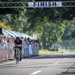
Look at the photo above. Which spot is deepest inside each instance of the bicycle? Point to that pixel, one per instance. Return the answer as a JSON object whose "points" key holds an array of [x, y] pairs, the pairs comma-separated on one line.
{"points": [[17, 55]]}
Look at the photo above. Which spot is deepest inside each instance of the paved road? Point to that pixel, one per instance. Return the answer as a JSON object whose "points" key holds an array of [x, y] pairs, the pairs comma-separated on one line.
{"points": [[41, 65]]}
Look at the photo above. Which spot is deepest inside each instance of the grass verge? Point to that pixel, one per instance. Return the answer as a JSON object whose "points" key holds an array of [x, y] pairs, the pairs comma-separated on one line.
{"points": [[44, 51]]}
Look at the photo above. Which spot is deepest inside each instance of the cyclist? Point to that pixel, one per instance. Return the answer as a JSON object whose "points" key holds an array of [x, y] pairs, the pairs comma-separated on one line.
{"points": [[18, 42]]}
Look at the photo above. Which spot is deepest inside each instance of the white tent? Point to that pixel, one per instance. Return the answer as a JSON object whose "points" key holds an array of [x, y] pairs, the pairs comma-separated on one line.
{"points": [[27, 36], [16, 35], [7, 34], [23, 35], [19, 34]]}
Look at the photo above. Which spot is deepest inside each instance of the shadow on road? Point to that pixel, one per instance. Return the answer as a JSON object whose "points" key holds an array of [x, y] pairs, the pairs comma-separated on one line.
{"points": [[52, 56], [68, 73], [70, 70]]}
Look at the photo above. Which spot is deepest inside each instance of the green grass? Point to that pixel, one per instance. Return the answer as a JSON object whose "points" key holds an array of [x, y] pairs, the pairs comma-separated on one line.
{"points": [[60, 51], [68, 50], [48, 52]]}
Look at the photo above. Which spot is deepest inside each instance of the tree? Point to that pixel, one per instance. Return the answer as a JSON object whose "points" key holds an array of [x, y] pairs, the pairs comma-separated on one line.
{"points": [[69, 30], [2, 25]]}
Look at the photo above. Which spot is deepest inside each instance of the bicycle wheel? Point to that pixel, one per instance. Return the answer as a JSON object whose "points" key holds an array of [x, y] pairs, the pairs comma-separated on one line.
{"points": [[17, 55]]}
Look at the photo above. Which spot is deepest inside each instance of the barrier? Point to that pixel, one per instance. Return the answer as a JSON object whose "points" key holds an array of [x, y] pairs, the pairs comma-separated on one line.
{"points": [[30, 50], [4, 55], [7, 52], [25, 51]]}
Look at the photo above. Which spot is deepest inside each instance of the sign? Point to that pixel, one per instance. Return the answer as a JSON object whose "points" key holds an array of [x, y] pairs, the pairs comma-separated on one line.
{"points": [[44, 4]]}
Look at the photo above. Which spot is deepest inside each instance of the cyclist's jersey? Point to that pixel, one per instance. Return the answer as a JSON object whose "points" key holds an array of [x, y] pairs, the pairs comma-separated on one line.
{"points": [[18, 43]]}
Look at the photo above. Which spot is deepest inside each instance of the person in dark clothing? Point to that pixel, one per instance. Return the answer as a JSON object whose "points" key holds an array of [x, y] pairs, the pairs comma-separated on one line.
{"points": [[18, 43]]}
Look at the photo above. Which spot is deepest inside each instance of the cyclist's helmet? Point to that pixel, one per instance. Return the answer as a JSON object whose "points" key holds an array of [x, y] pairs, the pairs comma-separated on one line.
{"points": [[18, 38]]}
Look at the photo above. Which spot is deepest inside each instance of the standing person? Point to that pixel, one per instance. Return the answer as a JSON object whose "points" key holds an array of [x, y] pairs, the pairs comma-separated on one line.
{"points": [[30, 48], [4, 41], [17, 42], [26, 52]]}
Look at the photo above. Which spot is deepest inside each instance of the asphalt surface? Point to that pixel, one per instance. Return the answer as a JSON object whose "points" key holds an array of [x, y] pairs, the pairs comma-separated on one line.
{"points": [[63, 64]]}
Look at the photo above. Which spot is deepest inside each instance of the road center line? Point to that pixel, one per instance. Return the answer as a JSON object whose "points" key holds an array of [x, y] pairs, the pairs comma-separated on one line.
{"points": [[34, 73]]}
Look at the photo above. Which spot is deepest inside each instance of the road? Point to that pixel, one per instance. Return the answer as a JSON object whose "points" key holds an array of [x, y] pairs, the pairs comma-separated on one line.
{"points": [[41, 65]]}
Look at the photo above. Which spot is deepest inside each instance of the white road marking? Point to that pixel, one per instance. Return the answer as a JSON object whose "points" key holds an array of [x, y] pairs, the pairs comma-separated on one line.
{"points": [[34, 73], [56, 62], [59, 61], [65, 58]]}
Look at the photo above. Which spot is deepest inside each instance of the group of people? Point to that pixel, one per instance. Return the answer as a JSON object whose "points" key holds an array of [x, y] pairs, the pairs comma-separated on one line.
{"points": [[25, 44]]}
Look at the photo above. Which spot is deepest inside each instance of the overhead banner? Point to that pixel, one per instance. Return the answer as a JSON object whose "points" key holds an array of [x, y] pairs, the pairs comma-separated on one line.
{"points": [[44, 4]]}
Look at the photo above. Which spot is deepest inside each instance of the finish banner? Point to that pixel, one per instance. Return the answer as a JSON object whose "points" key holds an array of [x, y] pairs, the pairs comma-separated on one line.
{"points": [[44, 4]]}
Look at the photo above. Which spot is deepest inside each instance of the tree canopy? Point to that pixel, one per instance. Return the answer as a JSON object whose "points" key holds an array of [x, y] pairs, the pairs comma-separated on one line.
{"points": [[53, 24]]}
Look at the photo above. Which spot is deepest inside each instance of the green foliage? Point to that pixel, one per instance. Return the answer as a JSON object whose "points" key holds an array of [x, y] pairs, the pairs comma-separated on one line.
{"points": [[17, 22], [54, 32], [73, 34], [69, 30], [2, 25], [55, 24]]}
